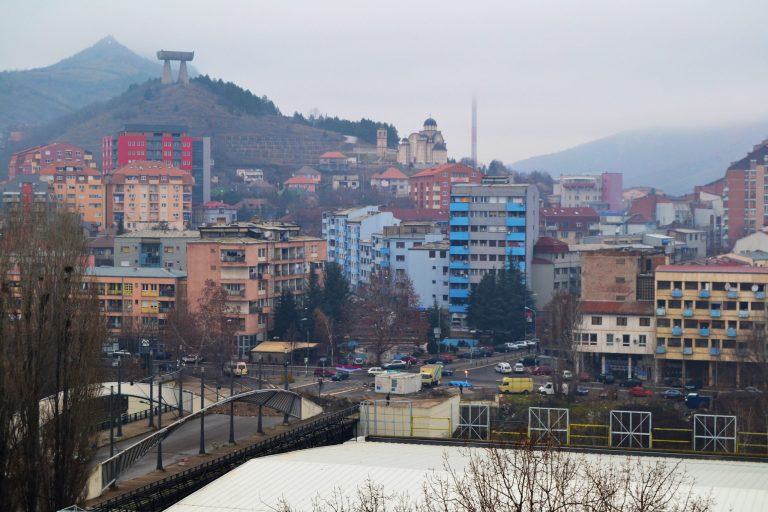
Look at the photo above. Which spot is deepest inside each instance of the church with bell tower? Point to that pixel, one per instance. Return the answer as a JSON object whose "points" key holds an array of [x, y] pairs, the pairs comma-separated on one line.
{"points": [[423, 149]]}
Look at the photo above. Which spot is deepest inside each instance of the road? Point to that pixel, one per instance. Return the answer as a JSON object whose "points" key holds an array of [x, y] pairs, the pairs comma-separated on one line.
{"points": [[186, 441]]}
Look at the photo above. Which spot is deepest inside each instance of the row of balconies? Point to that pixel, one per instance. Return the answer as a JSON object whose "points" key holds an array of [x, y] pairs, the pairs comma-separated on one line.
{"points": [[677, 293], [713, 313], [703, 352]]}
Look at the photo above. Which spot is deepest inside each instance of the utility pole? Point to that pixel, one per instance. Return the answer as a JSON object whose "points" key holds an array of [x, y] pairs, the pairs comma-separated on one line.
{"points": [[231, 406], [111, 421], [120, 396], [159, 466], [285, 378], [181, 392], [151, 392], [202, 413], [260, 429]]}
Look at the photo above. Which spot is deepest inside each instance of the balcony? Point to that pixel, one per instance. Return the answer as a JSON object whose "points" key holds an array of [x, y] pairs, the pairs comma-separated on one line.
{"points": [[677, 293], [458, 279], [743, 313], [703, 331], [704, 294], [687, 351], [459, 207], [516, 222], [730, 332], [235, 293], [384, 251], [459, 265], [714, 351], [661, 311], [515, 207], [458, 293], [715, 313], [687, 312], [459, 221], [515, 251], [661, 349], [732, 294], [150, 293], [150, 310], [516, 237], [677, 330], [458, 308], [113, 291], [459, 250], [459, 235]]}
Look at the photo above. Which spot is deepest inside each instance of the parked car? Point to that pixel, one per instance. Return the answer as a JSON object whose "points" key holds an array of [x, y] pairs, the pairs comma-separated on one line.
{"points": [[191, 359], [606, 378], [487, 351], [567, 375], [375, 370], [697, 401], [519, 368], [631, 383], [542, 370], [396, 364], [582, 391], [531, 343], [472, 353], [673, 382], [410, 360], [752, 389], [324, 372], [339, 376], [693, 384], [530, 361], [672, 394], [585, 377], [639, 391], [503, 368], [434, 360]]}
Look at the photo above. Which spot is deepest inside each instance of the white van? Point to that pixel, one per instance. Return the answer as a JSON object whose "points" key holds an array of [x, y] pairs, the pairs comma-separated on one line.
{"points": [[503, 368]]}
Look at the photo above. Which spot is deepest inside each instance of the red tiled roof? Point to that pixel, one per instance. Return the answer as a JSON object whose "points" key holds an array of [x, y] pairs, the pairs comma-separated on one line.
{"points": [[723, 269], [391, 174], [610, 307], [406, 214], [445, 167], [570, 212], [541, 261], [300, 180], [333, 154], [216, 204], [549, 244]]}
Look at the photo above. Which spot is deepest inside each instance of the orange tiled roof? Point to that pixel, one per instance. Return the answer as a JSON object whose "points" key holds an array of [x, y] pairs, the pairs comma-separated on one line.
{"points": [[333, 154], [445, 167]]}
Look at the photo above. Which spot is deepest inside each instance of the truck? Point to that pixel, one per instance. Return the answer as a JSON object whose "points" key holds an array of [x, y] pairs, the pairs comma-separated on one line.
{"points": [[549, 389], [431, 374], [522, 385]]}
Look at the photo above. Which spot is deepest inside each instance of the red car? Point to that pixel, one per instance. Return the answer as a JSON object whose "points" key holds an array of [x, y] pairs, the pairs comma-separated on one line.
{"points": [[542, 370], [448, 358], [324, 372], [639, 391], [409, 360]]}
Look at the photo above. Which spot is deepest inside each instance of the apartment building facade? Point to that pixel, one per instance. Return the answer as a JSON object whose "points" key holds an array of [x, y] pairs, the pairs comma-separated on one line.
{"points": [[431, 188], [555, 268], [80, 190], [711, 323], [348, 235], [255, 264], [492, 227], [142, 195], [33, 160], [136, 301], [601, 191], [154, 248], [570, 225], [427, 266]]}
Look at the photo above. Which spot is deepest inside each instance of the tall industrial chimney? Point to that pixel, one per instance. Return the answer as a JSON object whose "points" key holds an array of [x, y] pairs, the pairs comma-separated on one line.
{"points": [[474, 132]]}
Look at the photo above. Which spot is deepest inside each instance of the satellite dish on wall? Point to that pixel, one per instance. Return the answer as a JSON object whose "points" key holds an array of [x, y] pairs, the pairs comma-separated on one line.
{"points": [[754, 288], [727, 287]]}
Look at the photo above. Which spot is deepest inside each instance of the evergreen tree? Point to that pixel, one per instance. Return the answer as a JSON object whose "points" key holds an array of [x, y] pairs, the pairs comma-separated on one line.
{"points": [[312, 300], [286, 314], [336, 293], [498, 304]]}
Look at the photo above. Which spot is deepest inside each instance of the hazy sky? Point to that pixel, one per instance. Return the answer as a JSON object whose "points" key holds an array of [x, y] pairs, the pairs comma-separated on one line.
{"points": [[547, 74]]}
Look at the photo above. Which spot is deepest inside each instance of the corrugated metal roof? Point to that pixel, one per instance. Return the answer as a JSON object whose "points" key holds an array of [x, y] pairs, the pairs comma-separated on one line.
{"points": [[149, 272], [299, 477]]}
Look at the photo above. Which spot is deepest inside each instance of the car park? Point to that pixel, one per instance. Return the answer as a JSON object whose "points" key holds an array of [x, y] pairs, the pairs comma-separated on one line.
{"points": [[375, 370], [339, 376], [519, 368], [324, 372], [631, 383], [503, 368], [542, 370], [640, 391], [672, 394]]}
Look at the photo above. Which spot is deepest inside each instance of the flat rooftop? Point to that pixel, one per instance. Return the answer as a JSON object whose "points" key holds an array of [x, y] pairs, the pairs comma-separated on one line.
{"points": [[151, 273]]}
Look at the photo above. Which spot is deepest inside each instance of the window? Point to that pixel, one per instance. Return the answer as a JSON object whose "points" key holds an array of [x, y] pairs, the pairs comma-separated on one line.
{"points": [[400, 245], [609, 340], [645, 322], [620, 280], [625, 340], [399, 257], [642, 340], [621, 321], [597, 320]]}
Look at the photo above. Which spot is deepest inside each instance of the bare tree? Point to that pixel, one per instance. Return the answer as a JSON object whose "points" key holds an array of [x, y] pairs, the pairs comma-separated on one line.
{"points": [[327, 327], [561, 321], [532, 479], [386, 313], [51, 333]]}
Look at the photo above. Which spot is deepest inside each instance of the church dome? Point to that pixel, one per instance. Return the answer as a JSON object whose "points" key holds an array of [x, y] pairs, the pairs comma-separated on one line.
{"points": [[430, 122]]}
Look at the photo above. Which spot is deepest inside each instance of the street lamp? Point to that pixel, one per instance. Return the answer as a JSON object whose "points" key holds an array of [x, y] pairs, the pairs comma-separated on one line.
{"points": [[285, 378], [119, 396]]}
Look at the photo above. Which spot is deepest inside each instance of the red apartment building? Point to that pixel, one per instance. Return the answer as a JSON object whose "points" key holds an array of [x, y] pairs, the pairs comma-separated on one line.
{"points": [[569, 224], [139, 142], [431, 188], [744, 201], [31, 160]]}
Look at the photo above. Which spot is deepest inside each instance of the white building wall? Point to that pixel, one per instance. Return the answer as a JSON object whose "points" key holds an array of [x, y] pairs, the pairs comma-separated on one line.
{"points": [[429, 275]]}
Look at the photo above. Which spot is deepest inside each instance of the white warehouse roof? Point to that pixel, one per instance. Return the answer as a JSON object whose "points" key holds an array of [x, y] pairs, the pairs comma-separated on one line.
{"points": [[301, 476]]}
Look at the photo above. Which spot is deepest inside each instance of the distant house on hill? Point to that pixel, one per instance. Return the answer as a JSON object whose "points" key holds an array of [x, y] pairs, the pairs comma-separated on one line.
{"points": [[392, 181], [334, 161], [309, 173], [301, 183]]}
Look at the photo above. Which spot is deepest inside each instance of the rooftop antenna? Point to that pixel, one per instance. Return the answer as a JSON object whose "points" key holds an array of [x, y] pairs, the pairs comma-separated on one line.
{"points": [[474, 132]]}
